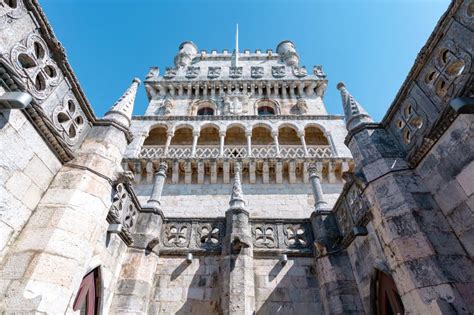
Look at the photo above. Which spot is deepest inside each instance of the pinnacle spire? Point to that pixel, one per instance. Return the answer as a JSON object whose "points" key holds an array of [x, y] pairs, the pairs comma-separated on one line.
{"points": [[237, 197], [354, 112], [121, 111]]}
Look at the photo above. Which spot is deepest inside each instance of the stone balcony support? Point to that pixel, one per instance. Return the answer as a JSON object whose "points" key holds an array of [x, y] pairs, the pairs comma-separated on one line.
{"points": [[221, 143], [160, 177]]}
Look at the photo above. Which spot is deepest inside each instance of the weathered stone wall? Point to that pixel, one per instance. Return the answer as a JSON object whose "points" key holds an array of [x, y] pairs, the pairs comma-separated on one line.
{"points": [[181, 287], [448, 173], [27, 167], [209, 200], [292, 288]]}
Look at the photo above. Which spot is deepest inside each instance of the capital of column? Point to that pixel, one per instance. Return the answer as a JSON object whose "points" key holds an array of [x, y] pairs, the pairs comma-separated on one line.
{"points": [[222, 133], [274, 133], [314, 170], [196, 133], [162, 168], [248, 132], [301, 133]]}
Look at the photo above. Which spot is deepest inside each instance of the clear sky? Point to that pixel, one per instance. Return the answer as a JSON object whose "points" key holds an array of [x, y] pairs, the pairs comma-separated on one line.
{"points": [[369, 44]]}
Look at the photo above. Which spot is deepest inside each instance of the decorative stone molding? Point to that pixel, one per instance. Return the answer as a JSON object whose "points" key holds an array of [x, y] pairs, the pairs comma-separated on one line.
{"points": [[176, 234], [10, 11], [299, 72], [278, 71], [235, 103], [256, 72], [31, 59], [69, 119], [192, 72], [235, 72], [170, 73], [214, 72]]}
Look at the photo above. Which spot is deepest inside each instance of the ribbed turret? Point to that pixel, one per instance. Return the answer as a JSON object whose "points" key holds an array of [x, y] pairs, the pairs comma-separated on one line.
{"points": [[121, 111]]}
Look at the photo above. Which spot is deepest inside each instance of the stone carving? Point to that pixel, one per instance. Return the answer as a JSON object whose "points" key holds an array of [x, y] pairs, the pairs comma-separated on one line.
{"points": [[123, 211], [299, 72], [192, 72], [256, 72], [11, 10], [302, 106], [265, 235], [235, 72], [34, 65], [278, 71], [236, 103], [69, 119], [177, 234], [170, 73], [209, 235], [167, 107], [408, 121], [214, 72], [154, 73], [296, 235], [318, 71]]}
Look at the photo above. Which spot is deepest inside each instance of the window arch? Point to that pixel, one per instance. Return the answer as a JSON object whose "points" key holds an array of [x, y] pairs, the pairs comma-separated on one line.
{"points": [[205, 111], [88, 296], [387, 298], [266, 107], [265, 110]]}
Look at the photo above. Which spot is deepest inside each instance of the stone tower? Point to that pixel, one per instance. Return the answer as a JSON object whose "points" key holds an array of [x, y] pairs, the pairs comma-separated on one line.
{"points": [[236, 192]]}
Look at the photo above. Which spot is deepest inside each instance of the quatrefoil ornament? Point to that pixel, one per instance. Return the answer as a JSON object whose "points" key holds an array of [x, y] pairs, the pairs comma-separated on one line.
{"points": [[69, 120]]}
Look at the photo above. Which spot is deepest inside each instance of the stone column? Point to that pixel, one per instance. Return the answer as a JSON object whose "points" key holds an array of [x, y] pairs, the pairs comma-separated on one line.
{"points": [[221, 143], [238, 292], [248, 135], [169, 137], [303, 143], [315, 179], [195, 140], [275, 139], [160, 177]]}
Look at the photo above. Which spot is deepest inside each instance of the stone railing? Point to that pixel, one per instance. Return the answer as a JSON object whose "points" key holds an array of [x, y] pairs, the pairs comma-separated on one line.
{"points": [[258, 151]]}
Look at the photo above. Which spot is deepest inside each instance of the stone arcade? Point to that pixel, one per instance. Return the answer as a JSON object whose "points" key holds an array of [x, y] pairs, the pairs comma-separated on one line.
{"points": [[236, 192]]}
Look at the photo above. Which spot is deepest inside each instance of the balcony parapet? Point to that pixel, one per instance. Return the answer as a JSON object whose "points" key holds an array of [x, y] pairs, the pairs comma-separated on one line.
{"points": [[238, 117]]}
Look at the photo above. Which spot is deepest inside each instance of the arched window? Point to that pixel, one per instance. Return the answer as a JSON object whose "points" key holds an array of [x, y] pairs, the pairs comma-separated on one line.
{"points": [[387, 299], [87, 298], [265, 110], [205, 111]]}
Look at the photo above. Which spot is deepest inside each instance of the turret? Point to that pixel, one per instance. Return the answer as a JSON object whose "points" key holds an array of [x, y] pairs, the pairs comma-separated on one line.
{"points": [[288, 54], [121, 111], [354, 112], [187, 50]]}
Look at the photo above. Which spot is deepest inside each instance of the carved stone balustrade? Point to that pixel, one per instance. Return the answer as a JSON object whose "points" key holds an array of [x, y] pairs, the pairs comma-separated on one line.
{"points": [[258, 151]]}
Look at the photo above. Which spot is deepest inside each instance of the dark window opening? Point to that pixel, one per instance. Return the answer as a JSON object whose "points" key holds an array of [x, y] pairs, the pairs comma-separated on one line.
{"points": [[388, 299], [205, 111], [266, 110]]}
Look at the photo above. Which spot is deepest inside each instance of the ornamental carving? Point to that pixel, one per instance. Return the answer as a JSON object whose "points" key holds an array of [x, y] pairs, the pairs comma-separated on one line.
{"points": [[209, 235], [278, 71], [192, 72], [318, 71], [11, 10], [236, 103], [256, 72], [235, 72], [296, 235], [34, 65], [302, 106], [167, 107], [408, 121], [299, 72], [123, 211], [177, 234], [153, 74], [214, 72], [170, 73], [68, 118], [265, 235]]}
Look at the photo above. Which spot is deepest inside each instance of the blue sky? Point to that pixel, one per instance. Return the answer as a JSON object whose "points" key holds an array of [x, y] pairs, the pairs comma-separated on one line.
{"points": [[369, 44]]}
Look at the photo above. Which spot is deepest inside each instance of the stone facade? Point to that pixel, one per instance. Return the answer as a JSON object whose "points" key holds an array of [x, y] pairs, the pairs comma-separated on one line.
{"points": [[236, 192]]}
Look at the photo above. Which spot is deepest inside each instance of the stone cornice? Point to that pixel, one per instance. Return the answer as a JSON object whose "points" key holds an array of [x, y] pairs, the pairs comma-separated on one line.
{"points": [[240, 117]]}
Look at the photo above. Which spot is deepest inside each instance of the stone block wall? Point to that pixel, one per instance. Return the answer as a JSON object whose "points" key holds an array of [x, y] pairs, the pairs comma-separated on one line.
{"points": [[181, 287], [290, 288], [27, 167]]}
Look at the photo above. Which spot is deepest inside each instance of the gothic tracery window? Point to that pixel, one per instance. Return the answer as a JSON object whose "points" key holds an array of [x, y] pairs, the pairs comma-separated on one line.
{"points": [[88, 295]]}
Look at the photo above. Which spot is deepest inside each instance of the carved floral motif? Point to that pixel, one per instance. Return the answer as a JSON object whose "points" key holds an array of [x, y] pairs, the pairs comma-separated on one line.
{"points": [[123, 210], [11, 10], [235, 72], [296, 235], [278, 71], [69, 120], [209, 235], [256, 72], [192, 72], [177, 234], [214, 72], [265, 235], [35, 66]]}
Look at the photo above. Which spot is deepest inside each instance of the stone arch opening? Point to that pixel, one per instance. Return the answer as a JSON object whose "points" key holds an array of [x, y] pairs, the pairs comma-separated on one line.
{"points": [[313, 135], [262, 135], [235, 135], [156, 136], [183, 136], [209, 136], [287, 135], [266, 108]]}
